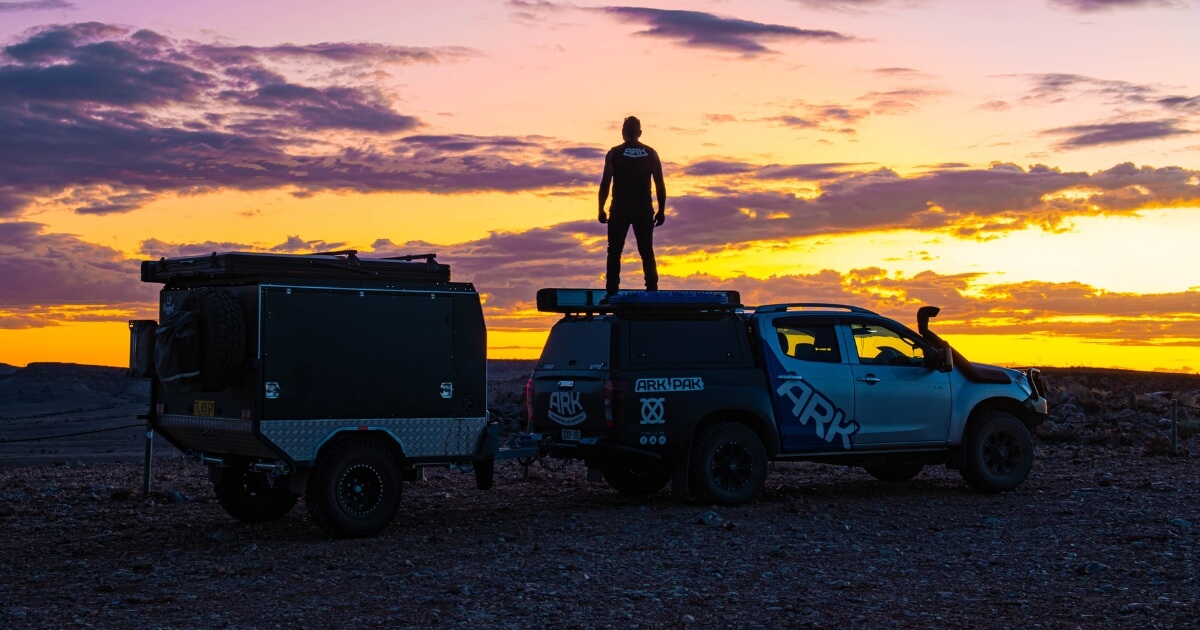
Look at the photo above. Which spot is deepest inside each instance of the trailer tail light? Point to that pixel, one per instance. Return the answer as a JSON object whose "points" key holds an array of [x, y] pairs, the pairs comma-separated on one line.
{"points": [[529, 399]]}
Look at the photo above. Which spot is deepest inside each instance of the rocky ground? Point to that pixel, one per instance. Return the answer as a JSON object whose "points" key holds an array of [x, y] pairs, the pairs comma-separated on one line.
{"points": [[1105, 533]]}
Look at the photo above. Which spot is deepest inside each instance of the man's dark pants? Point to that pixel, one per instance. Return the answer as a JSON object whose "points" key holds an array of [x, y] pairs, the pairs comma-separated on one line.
{"points": [[642, 222]]}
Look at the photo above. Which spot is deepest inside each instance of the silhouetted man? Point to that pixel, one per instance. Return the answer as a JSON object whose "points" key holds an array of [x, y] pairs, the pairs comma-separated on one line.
{"points": [[628, 167]]}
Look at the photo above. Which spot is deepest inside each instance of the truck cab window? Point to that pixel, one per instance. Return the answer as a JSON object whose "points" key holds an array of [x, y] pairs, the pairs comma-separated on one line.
{"points": [[878, 345], [808, 343]]}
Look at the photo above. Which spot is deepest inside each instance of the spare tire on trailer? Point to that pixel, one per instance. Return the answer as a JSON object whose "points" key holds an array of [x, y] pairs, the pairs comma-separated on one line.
{"points": [[222, 336]]}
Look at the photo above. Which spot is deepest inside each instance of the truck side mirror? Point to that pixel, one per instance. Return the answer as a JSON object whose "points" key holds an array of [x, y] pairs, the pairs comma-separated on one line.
{"points": [[940, 359], [947, 362]]}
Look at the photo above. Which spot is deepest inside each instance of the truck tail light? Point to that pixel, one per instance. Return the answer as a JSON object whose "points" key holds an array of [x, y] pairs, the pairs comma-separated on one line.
{"points": [[529, 399]]}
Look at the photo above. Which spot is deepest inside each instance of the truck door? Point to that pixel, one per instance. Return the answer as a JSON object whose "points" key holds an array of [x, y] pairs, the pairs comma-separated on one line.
{"points": [[899, 400], [811, 383]]}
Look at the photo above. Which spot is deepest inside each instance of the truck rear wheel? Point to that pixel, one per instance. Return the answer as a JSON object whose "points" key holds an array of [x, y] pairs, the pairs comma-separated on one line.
{"points": [[354, 489], [729, 464], [637, 480], [253, 497], [998, 452]]}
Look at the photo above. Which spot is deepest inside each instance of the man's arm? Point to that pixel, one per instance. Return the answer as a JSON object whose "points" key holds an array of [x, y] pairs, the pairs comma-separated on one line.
{"points": [[662, 192], [605, 182]]}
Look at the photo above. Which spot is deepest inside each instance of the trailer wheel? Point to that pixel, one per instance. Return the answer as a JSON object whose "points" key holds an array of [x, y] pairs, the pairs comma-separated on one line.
{"points": [[251, 497], [637, 480], [894, 473], [222, 336], [729, 464], [354, 490], [998, 452]]}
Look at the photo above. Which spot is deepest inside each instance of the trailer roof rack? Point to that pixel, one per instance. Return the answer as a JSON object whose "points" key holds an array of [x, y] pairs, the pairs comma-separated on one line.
{"points": [[597, 301], [259, 267]]}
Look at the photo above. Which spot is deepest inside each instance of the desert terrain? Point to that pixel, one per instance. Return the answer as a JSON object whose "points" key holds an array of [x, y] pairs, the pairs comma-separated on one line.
{"points": [[1104, 533]]}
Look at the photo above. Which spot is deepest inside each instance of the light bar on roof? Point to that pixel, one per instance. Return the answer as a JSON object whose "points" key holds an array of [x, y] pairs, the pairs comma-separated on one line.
{"points": [[595, 300]]}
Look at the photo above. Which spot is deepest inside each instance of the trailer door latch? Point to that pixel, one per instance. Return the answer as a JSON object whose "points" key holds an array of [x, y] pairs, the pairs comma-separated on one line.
{"points": [[447, 390]]}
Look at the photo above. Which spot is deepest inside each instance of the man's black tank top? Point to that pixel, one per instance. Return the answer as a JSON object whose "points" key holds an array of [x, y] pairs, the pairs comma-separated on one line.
{"points": [[633, 164]]}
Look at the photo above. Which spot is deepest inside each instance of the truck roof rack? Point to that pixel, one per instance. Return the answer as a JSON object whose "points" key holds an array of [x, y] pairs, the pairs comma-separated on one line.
{"points": [[597, 301], [783, 308]]}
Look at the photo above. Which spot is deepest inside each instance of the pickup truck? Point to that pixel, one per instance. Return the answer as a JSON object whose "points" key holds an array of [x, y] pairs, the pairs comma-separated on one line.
{"points": [[693, 389]]}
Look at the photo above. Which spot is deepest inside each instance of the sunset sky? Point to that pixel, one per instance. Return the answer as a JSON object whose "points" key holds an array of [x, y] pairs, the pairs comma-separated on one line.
{"points": [[1032, 166]]}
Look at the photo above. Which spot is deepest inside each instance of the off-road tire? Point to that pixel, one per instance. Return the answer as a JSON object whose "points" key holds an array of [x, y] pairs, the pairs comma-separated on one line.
{"points": [[354, 489], [222, 336], [728, 464], [894, 473], [637, 480], [997, 452], [253, 497]]}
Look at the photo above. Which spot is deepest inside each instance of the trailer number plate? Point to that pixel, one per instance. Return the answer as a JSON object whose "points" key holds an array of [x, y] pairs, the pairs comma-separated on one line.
{"points": [[572, 434], [207, 408]]}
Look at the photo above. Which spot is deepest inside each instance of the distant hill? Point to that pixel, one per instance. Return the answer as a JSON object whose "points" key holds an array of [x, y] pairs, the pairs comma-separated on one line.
{"points": [[7, 370], [50, 388]]}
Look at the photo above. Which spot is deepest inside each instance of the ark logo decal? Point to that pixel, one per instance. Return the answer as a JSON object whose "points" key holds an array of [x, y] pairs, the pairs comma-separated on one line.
{"points": [[636, 152], [653, 411], [676, 384], [566, 409], [809, 405]]}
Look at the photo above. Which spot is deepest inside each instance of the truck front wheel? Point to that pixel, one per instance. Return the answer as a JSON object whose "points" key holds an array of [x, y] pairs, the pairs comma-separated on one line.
{"points": [[251, 497], [354, 489], [998, 452], [729, 464]]}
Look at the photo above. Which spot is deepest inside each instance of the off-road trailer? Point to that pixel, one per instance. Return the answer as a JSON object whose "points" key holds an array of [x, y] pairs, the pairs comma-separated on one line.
{"points": [[325, 375]]}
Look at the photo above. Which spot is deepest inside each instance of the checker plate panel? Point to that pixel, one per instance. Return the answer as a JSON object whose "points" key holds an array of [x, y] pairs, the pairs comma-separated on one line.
{"points": [[419, 437]]}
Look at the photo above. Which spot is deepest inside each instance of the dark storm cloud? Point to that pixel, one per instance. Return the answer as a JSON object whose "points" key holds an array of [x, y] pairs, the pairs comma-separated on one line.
{"points": [[1079, 136], [35, 5], [117, 116], [1092, 6], [695, 29]]}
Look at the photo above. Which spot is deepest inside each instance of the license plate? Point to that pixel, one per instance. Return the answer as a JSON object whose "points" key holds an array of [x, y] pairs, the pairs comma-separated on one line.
{"points": [[204, 408], [572, 434]]}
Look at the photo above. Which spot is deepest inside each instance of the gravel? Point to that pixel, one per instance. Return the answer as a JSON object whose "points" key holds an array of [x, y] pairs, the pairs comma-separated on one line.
{"points": [[1097, 537]]}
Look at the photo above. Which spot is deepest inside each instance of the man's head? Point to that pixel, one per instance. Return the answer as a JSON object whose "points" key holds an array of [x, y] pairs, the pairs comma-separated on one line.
{"points": [[631, 129]]}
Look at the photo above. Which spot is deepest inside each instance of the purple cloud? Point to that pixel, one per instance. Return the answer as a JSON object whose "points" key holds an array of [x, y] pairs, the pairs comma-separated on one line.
{"points": [[119, 117], [972, 202], [1079, 136], [1093, 6], [695, 29], [44, 271], [35, 5]]}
